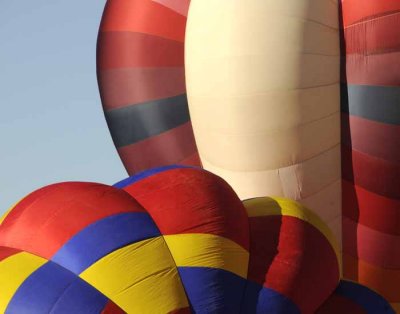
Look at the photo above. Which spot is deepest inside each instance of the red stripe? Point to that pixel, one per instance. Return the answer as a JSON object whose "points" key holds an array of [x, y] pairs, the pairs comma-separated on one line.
{"points": [[374, 247], [193, 160], [372, 138], [125, 49], [51, 216], [6, 252], [291, 256], [381, 69], [337, 304], [167, 148], [370, 209], [112, 308], [374, 174], [121, 87], [360, 10], [203, 202], [373, 37], [179, 6], [143, 16]]}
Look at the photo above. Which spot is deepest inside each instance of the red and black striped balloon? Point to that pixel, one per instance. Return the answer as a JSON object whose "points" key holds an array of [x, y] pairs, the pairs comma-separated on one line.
{"points": [[371, 144], [140, 62]]}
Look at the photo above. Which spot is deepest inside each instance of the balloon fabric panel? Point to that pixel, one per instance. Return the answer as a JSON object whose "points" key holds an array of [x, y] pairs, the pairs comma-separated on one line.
{"points": [[370, 150], [140, 67]]}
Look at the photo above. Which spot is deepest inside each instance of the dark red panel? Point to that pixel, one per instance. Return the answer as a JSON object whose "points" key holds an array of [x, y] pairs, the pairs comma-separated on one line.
{"points": [[371, 209], [290, 256], [193, 160], [127, 86], [381, 69], [374, 247], [7, 252], [112, 308], [337, 304], [372, 138], [143, 16], [125, 49], [166, 148], [193, 201], [374, 174]]}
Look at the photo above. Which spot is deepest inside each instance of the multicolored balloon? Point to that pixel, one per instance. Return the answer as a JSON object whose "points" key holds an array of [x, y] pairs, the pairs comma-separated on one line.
{"points": [[266, 118], [371, 145], [281, 237], [140, 67], [184, 243]]}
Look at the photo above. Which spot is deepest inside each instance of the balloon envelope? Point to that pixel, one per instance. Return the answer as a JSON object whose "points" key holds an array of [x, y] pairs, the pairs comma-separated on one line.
{"points": [[292, 262], [141, 79], [371, 145], [264, 98]]}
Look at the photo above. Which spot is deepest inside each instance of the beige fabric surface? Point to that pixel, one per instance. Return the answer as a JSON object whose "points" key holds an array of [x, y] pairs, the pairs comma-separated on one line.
{"points": [[263, 87]]}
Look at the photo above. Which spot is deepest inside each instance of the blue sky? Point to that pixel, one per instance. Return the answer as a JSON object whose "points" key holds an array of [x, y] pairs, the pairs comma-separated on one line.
{"points": [[52, 127]]}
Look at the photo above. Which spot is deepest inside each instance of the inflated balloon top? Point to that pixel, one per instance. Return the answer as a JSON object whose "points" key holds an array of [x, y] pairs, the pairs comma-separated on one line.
{"points": [[173, 241], [170, 240]]}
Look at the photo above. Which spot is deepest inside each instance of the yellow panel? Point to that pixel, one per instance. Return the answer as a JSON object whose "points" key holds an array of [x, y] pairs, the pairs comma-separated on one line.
{"points": [[140, 278], [13, 272], [207, 250], [267, 206]]}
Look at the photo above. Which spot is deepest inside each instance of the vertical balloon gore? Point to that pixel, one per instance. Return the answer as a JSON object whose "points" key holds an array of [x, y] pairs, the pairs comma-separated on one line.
{"points": [[264, 98]]}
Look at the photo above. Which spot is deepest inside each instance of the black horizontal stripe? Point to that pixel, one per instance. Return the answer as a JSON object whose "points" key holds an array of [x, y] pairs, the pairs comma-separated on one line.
{"points": [[135, 123], [378, 103]]}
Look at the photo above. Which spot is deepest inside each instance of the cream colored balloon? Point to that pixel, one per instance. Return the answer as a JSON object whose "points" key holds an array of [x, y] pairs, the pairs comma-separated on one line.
{"points": [[263, 87]]}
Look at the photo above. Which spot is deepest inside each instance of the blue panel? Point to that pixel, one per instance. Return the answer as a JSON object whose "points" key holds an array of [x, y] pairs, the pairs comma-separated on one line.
{"points": [[80, 297], [102, 237], [148, 173], [259, 299], [53, 289], [211, 290], [369, 300]]}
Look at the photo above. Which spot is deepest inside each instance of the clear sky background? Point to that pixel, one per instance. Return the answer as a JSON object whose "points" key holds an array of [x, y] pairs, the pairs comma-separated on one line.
{"points": [[52, 126]]}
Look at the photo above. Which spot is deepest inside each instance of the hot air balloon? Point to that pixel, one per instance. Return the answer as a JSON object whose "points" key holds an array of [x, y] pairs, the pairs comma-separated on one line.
{"points": [[264, 97], [85, 248], [172, 240], [289, 257], [141, 79], [371, 145]]}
